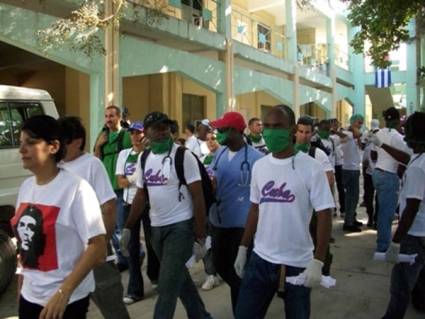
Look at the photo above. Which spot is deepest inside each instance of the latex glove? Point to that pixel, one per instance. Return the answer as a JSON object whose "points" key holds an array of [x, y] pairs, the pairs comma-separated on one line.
{"points": [[124, 240], [391, 255], [240, 261], [374, 139], [313, 273], [199, 250], [132, 179]]}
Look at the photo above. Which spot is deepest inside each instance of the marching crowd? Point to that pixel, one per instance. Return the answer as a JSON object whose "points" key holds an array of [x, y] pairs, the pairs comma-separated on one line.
{"points": [[255, 207]]}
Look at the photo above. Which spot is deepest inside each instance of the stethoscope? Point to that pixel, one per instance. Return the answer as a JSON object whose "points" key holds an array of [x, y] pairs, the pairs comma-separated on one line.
{"points": [[245, 167]]}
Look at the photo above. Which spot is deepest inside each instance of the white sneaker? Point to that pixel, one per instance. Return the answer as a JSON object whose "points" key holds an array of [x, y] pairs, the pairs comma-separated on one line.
{"points": [[211, 282]]}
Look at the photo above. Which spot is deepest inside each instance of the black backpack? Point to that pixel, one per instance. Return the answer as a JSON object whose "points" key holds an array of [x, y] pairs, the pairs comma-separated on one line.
{"points": [[207, 187]]}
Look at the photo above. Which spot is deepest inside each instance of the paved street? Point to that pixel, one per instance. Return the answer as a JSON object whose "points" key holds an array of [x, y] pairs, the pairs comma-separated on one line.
{"points": [[361, 291]]}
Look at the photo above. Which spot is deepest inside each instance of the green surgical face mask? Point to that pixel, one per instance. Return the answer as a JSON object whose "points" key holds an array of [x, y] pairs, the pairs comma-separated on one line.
{"points": [[162, 146], [255, 138], [324, 134], [277, 140], [302, 147], [222, 137]]}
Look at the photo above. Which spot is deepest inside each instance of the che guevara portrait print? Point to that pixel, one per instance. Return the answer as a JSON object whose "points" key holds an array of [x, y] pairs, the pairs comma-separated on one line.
{"points": [[34, 227]]}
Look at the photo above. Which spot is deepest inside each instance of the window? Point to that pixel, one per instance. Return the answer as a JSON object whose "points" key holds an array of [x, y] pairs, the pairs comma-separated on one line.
{"points": [[264, 37], [264, 110], [12, 116], [193, 109]]}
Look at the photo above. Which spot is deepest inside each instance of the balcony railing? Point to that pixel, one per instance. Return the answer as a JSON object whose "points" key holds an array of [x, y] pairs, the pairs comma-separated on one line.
{"points": [[202, 13], [314, 56], [248, 29]]}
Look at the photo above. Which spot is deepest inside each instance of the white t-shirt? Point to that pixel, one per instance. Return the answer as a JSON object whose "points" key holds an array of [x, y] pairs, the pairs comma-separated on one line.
{"points": [[286, 198], [394, 139], [413, 186], [93, 171], [126, 166], [367, 157], [330, 146], [351, 152], [53, 224], [197, 146], [324, 160], [163, 187], [338, 150]]}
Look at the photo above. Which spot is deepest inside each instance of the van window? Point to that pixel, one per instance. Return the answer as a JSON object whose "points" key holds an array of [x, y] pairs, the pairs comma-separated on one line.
{"points": [[12, 116]]}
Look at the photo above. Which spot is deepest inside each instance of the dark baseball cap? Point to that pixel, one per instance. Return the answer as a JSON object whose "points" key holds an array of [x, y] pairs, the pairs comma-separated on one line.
{"points": [[155, 118], [391, 114]]}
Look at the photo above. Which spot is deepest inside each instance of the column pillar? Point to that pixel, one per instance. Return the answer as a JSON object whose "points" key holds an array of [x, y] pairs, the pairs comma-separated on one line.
{"points": [[291, 30], [358, 69], [296, 93], [412, 101], [330, 34], [112, 77], [225, 28]]}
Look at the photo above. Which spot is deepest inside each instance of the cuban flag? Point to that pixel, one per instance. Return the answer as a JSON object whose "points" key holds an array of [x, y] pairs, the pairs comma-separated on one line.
{"points": [[382, 78]]}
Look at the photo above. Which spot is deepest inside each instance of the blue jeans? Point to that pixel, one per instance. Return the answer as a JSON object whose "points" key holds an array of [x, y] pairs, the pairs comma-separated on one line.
{"points": [[173, 245], [120, 221], [350, 179], [404, 277], [260, 284], [387, 185]]}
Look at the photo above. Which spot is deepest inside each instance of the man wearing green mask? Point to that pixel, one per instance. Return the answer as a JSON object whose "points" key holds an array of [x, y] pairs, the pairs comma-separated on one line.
{"points": [[255, 127], [177, 214], [232, 168], [303, 136], [286, 187]]}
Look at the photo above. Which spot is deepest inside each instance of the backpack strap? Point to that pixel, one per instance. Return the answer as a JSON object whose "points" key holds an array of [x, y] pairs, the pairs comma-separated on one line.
{"points": [[120, 140], [312, 151], [178, 162], [143, 158]]}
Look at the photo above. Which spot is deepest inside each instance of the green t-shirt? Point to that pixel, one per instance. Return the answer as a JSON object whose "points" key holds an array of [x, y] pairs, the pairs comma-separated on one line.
{"points": [[110, 153]]}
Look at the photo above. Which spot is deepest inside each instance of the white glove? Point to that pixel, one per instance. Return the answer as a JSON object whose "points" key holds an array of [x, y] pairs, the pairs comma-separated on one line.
{"points": [[313, 273], [132, 179], [374, 139], [199, 250], [240, 261], [124, 240], [391, 255]]}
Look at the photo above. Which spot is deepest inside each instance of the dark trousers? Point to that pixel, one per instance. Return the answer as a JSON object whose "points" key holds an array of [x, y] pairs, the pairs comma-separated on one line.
{"points": [[326, 270], [369, 194], [135, 280], [340, 187], [77, 309], [259, 285], [404, 277], [225, 245], [109, 292], [153, 261], [174, 246]]}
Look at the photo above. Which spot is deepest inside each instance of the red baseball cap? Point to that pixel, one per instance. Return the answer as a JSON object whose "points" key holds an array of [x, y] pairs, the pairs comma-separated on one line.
{"points": [[230, 120]]}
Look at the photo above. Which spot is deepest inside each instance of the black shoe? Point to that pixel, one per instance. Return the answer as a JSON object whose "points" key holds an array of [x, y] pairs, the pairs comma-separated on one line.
{"points": [[358, 223], [351, 229], [332, 240]]}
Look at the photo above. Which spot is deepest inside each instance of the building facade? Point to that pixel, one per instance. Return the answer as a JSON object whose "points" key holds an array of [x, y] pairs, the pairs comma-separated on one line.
{"points": [[203, 57]]}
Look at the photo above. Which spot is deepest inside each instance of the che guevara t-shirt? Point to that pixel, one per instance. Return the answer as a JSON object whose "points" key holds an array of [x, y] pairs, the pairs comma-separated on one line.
{"points": [[53, 224]]}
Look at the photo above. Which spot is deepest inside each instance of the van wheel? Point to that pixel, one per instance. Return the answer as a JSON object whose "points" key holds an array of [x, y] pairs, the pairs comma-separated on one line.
{"points": [[7, 260]]}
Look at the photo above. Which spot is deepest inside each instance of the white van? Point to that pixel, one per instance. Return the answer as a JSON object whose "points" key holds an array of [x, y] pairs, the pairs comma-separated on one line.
{"points": [[16, 105]]}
